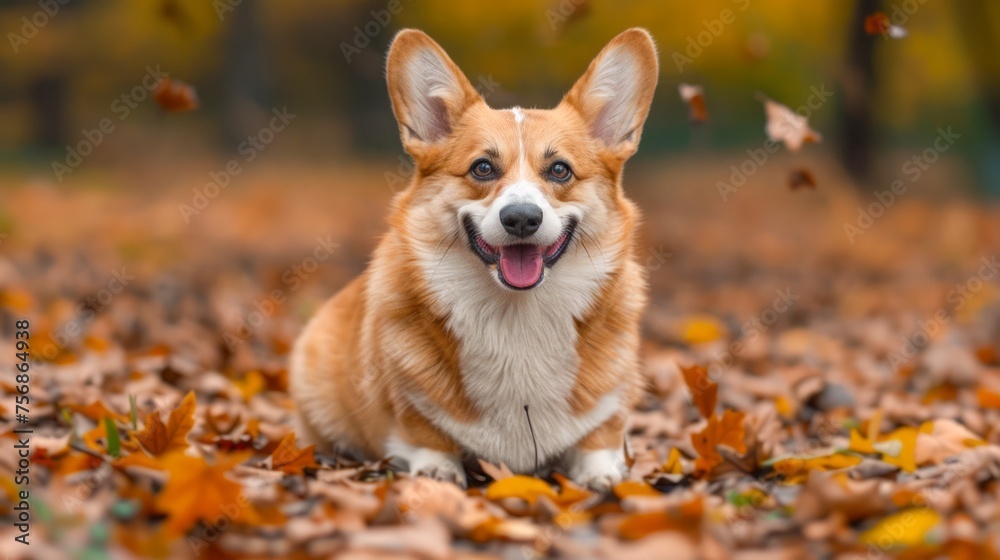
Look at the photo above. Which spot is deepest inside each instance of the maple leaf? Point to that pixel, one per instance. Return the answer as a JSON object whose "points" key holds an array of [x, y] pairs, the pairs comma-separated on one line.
{"points": [[704, 391], [290, 459], [158, 438], [727, 430], [196, 490]]}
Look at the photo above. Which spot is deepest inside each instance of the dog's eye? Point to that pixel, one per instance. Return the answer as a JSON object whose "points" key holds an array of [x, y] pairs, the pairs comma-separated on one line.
{"points": [[560, 172], [482, 169]]}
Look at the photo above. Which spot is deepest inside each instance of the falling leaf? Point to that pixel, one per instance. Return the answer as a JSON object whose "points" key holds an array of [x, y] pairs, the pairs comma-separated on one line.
{"points": [[785, 125], [725, 431], [196, 490], [158, 438], [527, 488], [801, 178], [704, 391], [175, 96], [290, 459], [694, 96], [879, 24], [905, 529]]}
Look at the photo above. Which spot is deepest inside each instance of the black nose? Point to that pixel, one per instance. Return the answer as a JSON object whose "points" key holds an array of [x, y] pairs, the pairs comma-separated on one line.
{"points": [[521, 220]]}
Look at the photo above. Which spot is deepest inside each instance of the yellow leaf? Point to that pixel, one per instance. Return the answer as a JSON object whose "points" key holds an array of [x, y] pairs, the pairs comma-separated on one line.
{"points": [[519, 486], [673, 464], [251, 384], [899, 448], [699, 329], [794, 470], [904, 529]]}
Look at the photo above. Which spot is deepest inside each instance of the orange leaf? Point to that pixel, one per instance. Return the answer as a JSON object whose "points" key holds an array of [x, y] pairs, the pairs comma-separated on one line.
{"points": [[158, 438], [290, 459], [199, 491], [704, 391], [97, 411], [635, 488], [987, 398], [725, 431], [686, 519], [801, 178], [519, 486]]}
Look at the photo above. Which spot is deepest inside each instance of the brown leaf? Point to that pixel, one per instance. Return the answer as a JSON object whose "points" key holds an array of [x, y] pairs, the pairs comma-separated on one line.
{"points": [[725, 431], [801, 178], [694, 96], [175, 96], [785, 125], [158, 438], [290, 459]]}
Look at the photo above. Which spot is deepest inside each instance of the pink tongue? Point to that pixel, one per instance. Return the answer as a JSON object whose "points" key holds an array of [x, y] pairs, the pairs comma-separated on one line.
{"points": [[521, 265]]}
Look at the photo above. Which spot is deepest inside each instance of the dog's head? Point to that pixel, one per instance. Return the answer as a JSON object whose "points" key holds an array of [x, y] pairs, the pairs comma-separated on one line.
{"points": [[521, 193]]}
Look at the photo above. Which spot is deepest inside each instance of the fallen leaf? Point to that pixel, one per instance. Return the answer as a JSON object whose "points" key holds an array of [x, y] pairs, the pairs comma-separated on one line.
{"points": [[686, 519], [941, 439], [290, 459], [701, 329], [97, 411], [196, 490], [527, 488], [904, 529], [158, 438], [631, 488], [725, 431], [704, 391], [793, 470], [987, 398]]}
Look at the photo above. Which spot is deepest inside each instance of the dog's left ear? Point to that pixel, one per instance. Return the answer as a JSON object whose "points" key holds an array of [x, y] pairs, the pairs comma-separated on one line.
{"points": [[614, 94], [428, 91]]}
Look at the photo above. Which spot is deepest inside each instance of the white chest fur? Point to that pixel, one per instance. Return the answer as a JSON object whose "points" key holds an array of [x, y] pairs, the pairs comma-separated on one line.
{"points": [[517, 349]]}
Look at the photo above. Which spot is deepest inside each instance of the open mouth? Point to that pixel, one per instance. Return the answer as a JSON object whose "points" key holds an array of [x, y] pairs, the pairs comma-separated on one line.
{"points": [[522, 265]]}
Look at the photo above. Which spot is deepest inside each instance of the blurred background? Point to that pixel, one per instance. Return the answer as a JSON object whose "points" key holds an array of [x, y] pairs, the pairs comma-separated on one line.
{"points": [[293, 139]]}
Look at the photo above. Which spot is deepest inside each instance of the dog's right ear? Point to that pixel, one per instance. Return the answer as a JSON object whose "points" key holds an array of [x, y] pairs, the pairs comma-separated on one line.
{"points": [[427, 89]]}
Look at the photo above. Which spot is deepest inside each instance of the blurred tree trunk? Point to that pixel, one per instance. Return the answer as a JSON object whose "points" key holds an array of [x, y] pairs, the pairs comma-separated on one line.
{"points": [[978, 20], [245, 81], [47, 96], [855, 140]]}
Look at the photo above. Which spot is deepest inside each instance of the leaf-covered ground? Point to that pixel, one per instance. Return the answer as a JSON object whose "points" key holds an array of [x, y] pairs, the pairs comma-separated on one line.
{"points": [[808, 396]]}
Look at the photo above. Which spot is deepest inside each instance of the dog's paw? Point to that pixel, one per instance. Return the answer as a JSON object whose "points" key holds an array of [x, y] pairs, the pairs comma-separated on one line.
{"points": [[431, 463], [598, 470]]}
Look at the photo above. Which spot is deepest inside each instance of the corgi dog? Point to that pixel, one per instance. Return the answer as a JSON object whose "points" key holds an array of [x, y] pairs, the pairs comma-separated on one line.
{"points": [[499, 317]]}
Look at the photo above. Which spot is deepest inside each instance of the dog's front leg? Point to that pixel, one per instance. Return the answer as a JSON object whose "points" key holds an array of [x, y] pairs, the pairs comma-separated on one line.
{"points": [[426, 449], [598, 460]]}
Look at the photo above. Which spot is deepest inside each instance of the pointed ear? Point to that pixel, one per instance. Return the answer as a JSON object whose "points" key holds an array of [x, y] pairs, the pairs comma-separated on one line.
{"points": [[427, 89], [614, 94]]}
